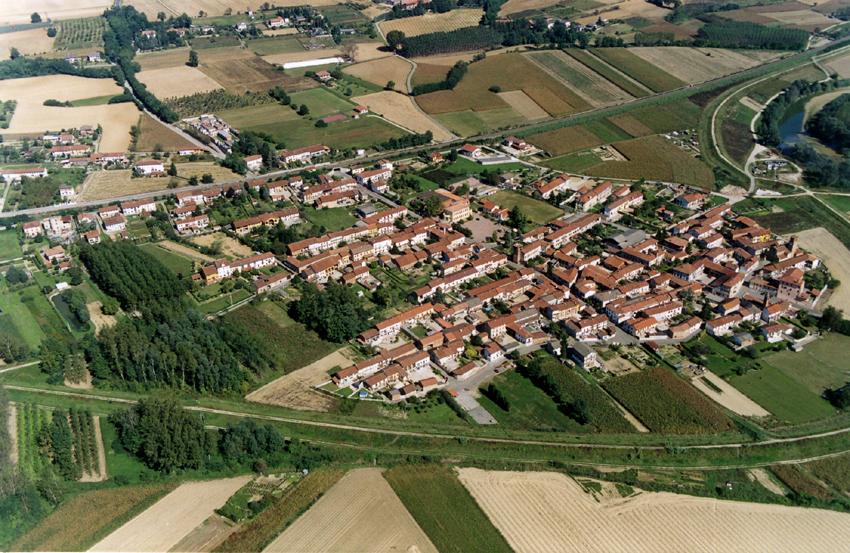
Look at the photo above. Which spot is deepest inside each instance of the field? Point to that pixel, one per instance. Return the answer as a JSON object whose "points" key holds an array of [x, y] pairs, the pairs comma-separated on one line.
{"points": [[83, 34], [163, 59], [822, 364], [538, 211], [259, 117], [77, 524], [730, 398], [444, 509], [524, 105], [653, 158], [802, 213], [307, 55], [666, 404], [322, 102], [630, 86], [433, 23], [695, 65], [229, 246], [840, 65], [800, 482], [275, 45], [9, 247], [594, 88], [565, 140], [156, 134], [644, 72], [383, 70], [31, 113], [31, 42], [241, 70], [399, 109], [177, 81], [164, 524], [174, 262], [428, 73], [551, 512], [781, 395], [16, 313], [17, 12], [470, 123], [335, 218], [352, 507], [835, 256], [834, 471], [110, 184], [200, 168], [630, 125]]}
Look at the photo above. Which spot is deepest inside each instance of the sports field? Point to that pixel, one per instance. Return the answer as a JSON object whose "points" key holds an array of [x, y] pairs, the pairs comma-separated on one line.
{"points": [[433, 23], [538, 211]]}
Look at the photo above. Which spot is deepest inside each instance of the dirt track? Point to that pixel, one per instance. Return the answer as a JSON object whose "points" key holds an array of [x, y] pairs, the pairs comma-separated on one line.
{"points": [[13, 433]]}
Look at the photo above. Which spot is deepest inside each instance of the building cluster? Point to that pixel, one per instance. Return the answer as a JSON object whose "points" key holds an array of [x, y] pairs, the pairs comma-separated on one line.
{"points": [[215, 128]]}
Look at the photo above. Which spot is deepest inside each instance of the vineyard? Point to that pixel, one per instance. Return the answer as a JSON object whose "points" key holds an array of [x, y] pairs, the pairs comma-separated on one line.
{"points": [[462, 40], [640, 70], [80, 34], [580, 77], [32, 423], [593, 63], [219, 100], [85, 444], [745, 34], [666, 404]]}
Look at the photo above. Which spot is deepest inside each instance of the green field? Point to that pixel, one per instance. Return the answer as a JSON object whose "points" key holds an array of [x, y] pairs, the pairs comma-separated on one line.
{"points": [[26, 324], [225, 300], [322, 102], [782, 396], [287, 44], [841, 203], [574, 163], [9, 247], [822, 364], [607, 131], [640, 70], [335, 218], [471, 123], [801, 213], [444, 509], [174, 261], [607, 72], [95, 101], [538, 211], [202, 43]]}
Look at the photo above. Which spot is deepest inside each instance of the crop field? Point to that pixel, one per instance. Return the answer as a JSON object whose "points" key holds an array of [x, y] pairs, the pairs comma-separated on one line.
{"points": [[729, 397], [177, 81], [800, 482], [351, 507], [31, 422], [433, 23], [176, 263], [77, 524], [539, 511], [383, 70], [630, 125], [254, 117], [470, 123], [240, 70], [22, 321], [834, 255], [607, 131], [835, 471], [170, 519], [524, 105], [17, 12], [31, 42], [840, 65], [428, 73], [594, 88], [322, 102], [200, 168], [448, 60], [9, 247], [695, 65], [400, 110], [619, 80], [565, 140], [163, 59], [275, 45], [644, 72], [783, 396], [444, 509], [666, 404], [509, 72], [364, 132], [31, 113], [822, 364], [110, 184], [538, 211], [654, 158], [803, 213], [156, 134], [574, 163]]}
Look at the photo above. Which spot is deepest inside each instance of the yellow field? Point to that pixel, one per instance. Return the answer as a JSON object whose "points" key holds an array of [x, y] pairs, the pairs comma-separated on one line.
{"points": [[370, 51], [365, 514], [34, 41], [835, 256], [229, 246], [538, 511], [112, 184], [433, 23], [198, 168], [210, 7], [33, 118], [155, 134], [840, 65], [400, 110], [163, 59], [16, 12], [521, 102], [695, 65], [383, 70], [177, 81]]}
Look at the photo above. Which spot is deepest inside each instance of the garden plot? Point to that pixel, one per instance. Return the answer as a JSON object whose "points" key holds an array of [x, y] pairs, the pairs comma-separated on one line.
{"points": [[835, 256], [365, 514], [167, 522], [382, 70], [400, 110], [575, 75], [17, 12], [551, 512], [34, 41], [433, 23], [695, 65], [177, 81]]}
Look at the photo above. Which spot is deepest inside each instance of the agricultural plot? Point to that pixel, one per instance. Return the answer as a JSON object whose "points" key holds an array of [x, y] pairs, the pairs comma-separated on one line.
{"points": [[834, 471], [361, 497], [675, 116], [239, 71], [834, 255], [840, 65], [31, 42], [695, 65], [322, 102], [154, 134], [524, 105], [111, 184], [364, 132], [17, 322], [383, 70], [552, 512], [230, 247], [275, 45], [788, 400], [728, 397], [177, 81], [433, 23], [470, 123], [448, 60], [17, 12], [574, 163], [306, 55], [80, 34], [400, 110], [427, 73], [259, 117], [164, 524], [31, 422], [822, 364], [201, 168], [630, 125], [594, 88], [627, 84], [164, 59], [642, 71], [565, 140], [444, 509]]}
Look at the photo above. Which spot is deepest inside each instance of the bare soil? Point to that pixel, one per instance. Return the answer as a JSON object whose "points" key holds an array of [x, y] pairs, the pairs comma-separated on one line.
{"points": [[762, 477], [400, 110], [207, 536], [110, 184], [433, 23], [360, 513], [835, 256], [521, 102], [177, 81], [731, 398], [185, 250], [229, 246], [98, 318], [551, 512]]}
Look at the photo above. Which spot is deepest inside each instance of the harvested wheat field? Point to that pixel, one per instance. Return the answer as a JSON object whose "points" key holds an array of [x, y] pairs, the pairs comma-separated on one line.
{"points": [[229, 246], [400, 109], [370, 51], [382, 70], [34, 41], [625, 9], [840, 65], [199, 168], [31, 115], [207, 536], [695, 65], [835, 256], [114, 183], [211, 7], [360, 513], [17, 12], [295, 390], [177, 81], [433, 23], [521, 102], [731, 398], [538, 511], [173, 517]]}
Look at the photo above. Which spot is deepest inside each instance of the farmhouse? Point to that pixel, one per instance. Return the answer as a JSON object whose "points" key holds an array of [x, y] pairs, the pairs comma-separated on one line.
{"points": [[471, 151], [150, 167], [304, 154], [254, 162], [278, 22], [11, 175], [115, 224], [516, 143], [323, 76]]}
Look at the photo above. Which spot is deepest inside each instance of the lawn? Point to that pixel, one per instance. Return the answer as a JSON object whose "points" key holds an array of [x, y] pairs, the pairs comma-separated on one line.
{"points": [[322, 102], [9, 248], [224, 301], [782, 396], [335, 218], [539, 212], [822, 364], [176, 263], [27, 325], [444, 509]]}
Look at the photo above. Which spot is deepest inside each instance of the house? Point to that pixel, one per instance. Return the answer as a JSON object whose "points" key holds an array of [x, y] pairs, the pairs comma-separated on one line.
{"points": [[108, 211], [241, 26], [493, 352], [149, 34], [254, 162], [278, 22], [138, 207], [92, 237], [774, 312], [435, 157], [94, 57], [323, 76], [455, 208], [71, 150], [11, 175], [149, 167], [192, 224], [776, 332], [67, 139], [304, 154], [66, 192], [516, 143], [584, 355], [690, 201], [743, 339], [368, 177], [32, 229], [471, 151], [361, 110], [55, 253], [115, 224]]}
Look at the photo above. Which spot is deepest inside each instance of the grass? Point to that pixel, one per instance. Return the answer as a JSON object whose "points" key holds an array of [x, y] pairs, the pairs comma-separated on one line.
{"points": [[224, 301], [640, 70], [118, 461], [335, 218], [538, 211], [364, 132], [27, 326], [444, 509], [574, 163], [841, 203], [471, 123], [607, 131], [835, 471], [607, 72], [822, 364], [175, 262], [321, 102], [788, 400], [94, 101], [203, 43], [286, 44], [801, 213], [9, 247]]}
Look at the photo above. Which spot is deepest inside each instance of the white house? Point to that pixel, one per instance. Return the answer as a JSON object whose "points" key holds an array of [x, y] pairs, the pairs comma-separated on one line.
{"points": [[149, 167], [12, 175], [254, 162]]}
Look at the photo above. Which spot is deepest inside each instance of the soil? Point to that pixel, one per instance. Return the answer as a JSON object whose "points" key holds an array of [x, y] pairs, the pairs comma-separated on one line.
{"points": [[177, 81], [229, 246], [84, 384], [731, 398], [382, 70], [98, 318], [763, 478], [521, 102], [185, 250], [400, 110], [101, 457], [207, 536]]}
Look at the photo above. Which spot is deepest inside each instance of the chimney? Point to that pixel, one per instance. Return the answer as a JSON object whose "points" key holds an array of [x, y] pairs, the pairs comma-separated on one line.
{"points": [[794, 240]]}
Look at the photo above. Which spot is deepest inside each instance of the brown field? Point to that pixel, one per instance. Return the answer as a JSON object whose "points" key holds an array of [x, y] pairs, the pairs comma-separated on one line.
{"points": [[168, 521], [695, 65], [829, 7], [399, 109], [229, 246], [514, 6], [835, 256], [573, 74], [802, 17], [551, 512], [383, 70], [840, 65], [92, 511], [450, 59], [166, 58], [109, 184], [680, 32], [762, 477], [295, 390], [370, 51], [428, 73], [280, 32], [31, 115], [565, 140], [207, 536], [624, 10], [731, 398], [241, 73], [198, 168], [177, 81], [185, 250], [16, 12], [365, 514], [156, 134], [523, 103], [34, 41], [630, 125], [433, 23], [749, 15]]}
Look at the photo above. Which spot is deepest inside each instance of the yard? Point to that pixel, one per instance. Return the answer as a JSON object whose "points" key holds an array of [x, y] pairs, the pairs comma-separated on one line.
{"points": [[336, 218], [538, 211], [9, 247]]}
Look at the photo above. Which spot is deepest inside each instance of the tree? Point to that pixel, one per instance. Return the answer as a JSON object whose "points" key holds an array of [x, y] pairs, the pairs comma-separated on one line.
{"points": [[831, 318], [434, 205], [390, 85], [495, 88], [193, 59], [516, 219], [321, 123], [110, 306], [35, 18], [193, 180], [228, 11], [336, 312], [172, 170], [303, 110], [15, 275], [14, 54], [161, 16], [51, 32], [395, 39]]}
